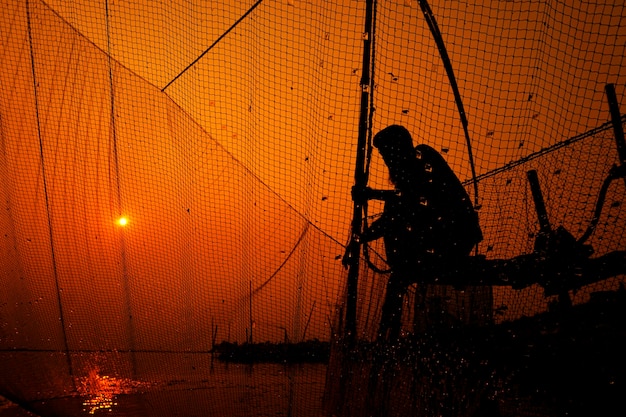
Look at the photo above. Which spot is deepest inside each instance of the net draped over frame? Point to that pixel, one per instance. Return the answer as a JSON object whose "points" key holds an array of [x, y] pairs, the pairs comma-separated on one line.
{"points": [[225, 134]]}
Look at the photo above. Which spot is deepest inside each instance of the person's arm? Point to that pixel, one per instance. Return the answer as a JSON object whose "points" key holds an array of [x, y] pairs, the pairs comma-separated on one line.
{"points": [[384, 195], [363, 194], [377, 229]]}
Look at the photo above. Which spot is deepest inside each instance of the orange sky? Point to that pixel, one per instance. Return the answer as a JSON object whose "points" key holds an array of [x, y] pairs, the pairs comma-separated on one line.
{"points": [[220, 174]]}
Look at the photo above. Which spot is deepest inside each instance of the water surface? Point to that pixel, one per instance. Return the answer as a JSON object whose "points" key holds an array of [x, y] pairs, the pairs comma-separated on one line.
{"points": [[164, 384]]}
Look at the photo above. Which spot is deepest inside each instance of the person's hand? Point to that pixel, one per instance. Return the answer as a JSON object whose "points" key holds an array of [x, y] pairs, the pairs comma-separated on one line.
{"points": [[352, 250]]}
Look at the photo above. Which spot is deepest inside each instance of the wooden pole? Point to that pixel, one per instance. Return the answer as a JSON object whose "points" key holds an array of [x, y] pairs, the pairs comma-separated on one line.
{"points": [[360, 176], [616, 119], [251, 321]]}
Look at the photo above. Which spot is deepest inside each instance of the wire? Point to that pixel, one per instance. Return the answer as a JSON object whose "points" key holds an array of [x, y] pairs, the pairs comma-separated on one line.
{"points": [[260, 287], [254, 6], [46, 191]]}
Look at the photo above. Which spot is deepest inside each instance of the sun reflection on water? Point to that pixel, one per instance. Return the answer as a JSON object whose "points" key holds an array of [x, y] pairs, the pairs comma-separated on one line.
{"points": [[99, 392]]}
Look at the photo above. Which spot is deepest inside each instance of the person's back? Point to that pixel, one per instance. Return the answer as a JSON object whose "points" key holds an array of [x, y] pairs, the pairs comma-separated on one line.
{"points": [[432, 218], [451, 227]]}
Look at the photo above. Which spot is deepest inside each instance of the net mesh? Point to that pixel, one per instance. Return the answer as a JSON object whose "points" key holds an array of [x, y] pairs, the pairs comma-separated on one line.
{"points": [[177, 175]]}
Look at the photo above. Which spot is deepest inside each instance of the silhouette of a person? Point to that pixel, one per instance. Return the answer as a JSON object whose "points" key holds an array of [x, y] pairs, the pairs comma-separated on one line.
{"points": [[427, 221]]}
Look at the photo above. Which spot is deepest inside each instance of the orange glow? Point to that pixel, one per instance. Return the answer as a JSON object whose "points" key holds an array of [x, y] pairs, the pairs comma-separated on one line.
{"points": [[99, 392], [222, 170]]}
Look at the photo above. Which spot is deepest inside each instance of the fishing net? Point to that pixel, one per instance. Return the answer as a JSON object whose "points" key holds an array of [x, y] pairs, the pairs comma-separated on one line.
{"points": [[176, 185]]}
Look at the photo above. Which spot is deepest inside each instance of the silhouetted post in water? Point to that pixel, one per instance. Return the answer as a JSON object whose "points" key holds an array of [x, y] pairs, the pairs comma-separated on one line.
{"points": [[555, 249], [213, 334], [251, 321], [351, 260], [428, 220], [213, 342], [618, 129], [545, 230]]}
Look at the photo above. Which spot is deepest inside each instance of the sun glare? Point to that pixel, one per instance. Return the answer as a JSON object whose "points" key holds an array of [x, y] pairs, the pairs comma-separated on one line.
{"points": [[122, 221], [99, 392]]}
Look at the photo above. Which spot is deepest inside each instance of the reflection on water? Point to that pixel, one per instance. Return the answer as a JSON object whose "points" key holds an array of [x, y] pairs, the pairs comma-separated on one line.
{"points": [[99, 392], [176, 384]]}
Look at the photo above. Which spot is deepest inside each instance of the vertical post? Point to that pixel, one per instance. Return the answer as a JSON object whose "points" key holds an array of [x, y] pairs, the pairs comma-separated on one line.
{"points": [[540, 206], [251, 321], [543, 244], [616, 119], [360, 175]]}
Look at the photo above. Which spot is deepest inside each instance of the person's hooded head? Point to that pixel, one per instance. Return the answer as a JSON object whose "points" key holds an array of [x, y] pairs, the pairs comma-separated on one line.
{"points": [[396, 147]]}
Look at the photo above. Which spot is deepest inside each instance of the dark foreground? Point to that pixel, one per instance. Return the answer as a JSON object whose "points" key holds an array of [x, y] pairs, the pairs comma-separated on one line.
{"points": [[565, 362]]}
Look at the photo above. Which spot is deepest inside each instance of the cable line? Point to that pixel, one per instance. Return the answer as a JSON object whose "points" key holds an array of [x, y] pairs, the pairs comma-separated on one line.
{"points": [[214, 43]]}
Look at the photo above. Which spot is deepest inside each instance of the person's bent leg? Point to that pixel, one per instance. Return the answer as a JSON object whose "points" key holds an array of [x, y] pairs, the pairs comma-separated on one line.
{"points": [[391, 316]]}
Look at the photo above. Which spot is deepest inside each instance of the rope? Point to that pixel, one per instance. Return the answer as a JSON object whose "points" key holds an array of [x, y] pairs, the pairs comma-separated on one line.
{"points": [[260, 287], [62, 313], [214, 43]]}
